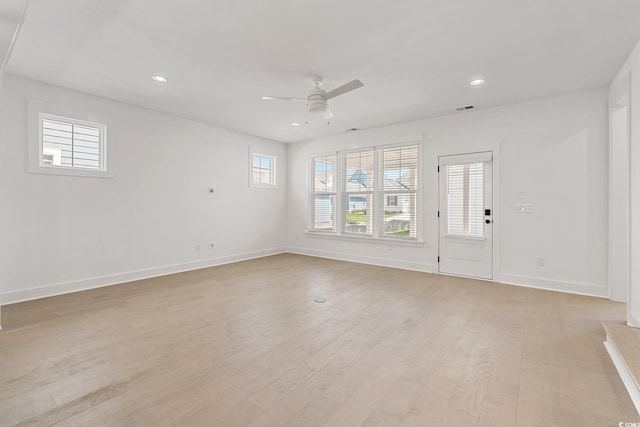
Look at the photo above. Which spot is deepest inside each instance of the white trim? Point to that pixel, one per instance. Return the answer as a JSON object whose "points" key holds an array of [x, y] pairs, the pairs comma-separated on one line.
{"points": [[619, 243], [350, 257], [553, 285], [366, 238], [632, 320], [625, 374], [98, 282], [5, 62], [458, 159]]}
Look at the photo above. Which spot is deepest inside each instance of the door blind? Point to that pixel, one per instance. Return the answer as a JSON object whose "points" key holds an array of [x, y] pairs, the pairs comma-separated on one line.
{"points": [[465, 199]]}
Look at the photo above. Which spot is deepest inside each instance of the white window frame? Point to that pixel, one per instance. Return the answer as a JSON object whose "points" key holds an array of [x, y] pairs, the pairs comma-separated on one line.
{"points": [[378, 199], [37, 111], [273, 183]]}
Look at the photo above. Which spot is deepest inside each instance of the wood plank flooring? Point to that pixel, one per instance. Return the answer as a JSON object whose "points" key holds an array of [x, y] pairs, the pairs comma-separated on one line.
{"points": [[245, 345]]}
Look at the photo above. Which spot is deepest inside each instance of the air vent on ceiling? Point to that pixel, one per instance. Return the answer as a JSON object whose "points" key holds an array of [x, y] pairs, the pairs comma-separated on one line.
{"points": [[468, 107]]}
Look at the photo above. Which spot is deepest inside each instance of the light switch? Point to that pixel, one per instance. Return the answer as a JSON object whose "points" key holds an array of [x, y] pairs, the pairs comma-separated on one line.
{"points": [[525, 208]]}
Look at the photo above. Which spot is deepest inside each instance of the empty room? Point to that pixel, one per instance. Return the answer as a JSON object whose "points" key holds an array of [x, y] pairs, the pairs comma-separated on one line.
{"points": [[347, 213]]}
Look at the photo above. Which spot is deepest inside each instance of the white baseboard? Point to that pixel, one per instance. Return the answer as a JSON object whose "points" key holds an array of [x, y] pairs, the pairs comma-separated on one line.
{"points": [[98, 282], [632, 319], [554, 285], [383, 262], [625, 375]]}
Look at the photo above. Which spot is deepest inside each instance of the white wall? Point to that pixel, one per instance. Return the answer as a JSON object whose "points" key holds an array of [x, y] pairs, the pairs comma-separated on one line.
{"points": [[60, 234], [554, 148], [628, 80]]}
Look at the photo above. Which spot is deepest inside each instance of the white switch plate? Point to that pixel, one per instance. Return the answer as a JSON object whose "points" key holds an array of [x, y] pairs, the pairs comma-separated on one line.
{"points": [[525, 208]]}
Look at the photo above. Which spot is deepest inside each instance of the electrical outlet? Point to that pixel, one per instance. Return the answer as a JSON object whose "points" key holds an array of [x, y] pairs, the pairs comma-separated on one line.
{"points": [[210, 246], [540, 261]]}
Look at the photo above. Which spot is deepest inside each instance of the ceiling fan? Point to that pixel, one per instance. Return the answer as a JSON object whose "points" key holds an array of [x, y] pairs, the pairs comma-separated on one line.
{"points": [[317, 98]]}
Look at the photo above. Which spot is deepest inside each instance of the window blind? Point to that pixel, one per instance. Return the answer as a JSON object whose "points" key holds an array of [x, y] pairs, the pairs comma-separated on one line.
{"points": [[324, 193], [399, 190], [70, 144], [358, 188], [465, 199]]}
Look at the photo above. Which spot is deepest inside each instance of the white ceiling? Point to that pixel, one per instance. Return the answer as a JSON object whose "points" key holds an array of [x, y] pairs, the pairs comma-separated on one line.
{"points": [[415, 57]]}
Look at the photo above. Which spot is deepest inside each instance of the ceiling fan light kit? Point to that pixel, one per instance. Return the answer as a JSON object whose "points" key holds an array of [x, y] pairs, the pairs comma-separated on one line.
{"points": [[317, 98]]}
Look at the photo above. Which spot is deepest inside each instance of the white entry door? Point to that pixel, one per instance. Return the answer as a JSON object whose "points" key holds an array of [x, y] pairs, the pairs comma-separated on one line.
{"points": [[466, 215]]}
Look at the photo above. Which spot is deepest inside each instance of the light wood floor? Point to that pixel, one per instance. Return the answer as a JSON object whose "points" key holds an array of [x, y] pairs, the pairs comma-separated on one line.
{"points": [[244, 344]]}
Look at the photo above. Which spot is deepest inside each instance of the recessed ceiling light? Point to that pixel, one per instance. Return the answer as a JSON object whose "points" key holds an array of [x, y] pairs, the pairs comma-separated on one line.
{"points": [[476, 82], [160, 79], [295, 124]]}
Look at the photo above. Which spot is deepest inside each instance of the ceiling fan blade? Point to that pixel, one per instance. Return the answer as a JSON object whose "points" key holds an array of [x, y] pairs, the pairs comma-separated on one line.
{"points": [[352, 85], [286, 98]]}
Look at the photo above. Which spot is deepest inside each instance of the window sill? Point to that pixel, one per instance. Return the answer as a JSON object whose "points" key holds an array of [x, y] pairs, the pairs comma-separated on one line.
{"points": [[363, 239], [49, 170]]}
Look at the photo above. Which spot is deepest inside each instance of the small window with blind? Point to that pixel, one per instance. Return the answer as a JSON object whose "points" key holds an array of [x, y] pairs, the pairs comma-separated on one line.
{"points": [[263, 171], [69, 143], [64, 141], [323, 193]]}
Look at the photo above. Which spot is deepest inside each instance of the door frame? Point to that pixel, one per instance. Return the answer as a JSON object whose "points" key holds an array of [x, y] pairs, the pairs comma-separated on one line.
{"points": [[619, 245], [434, 149]]}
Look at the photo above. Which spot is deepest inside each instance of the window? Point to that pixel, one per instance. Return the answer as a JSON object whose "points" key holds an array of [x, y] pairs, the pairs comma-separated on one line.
{"points": [[64, 141], [399, 167], [358, 189], [263, 170], [377, 194], [68, 143], [323, 193]]}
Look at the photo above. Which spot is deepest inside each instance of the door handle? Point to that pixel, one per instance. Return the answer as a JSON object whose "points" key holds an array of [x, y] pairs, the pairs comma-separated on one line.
{"points": [[487, 221]]}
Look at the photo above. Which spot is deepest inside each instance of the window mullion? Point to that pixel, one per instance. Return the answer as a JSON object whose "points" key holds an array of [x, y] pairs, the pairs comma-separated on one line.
{"points": [[340, 194]]}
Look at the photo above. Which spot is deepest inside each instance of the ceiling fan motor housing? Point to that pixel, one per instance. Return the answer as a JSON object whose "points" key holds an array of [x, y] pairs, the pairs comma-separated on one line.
{"points": [[316, 102]]}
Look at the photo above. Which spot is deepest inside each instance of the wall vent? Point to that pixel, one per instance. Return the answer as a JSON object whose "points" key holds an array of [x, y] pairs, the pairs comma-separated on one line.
{"points": [[468, 107]]}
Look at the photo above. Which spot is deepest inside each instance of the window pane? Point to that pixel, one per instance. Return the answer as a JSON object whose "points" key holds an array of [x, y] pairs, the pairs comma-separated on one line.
{"points": [[324, 174], [262, 169], [359, 209], [324, 208], [465, 199], [359, 172], [70, 144], [400, 167], [400, 215]]}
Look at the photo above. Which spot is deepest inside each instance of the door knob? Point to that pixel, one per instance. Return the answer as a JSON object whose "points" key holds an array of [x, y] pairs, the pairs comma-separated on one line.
{"points": [[487, 221]]}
